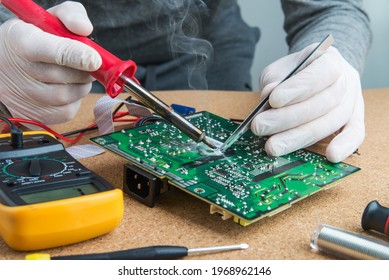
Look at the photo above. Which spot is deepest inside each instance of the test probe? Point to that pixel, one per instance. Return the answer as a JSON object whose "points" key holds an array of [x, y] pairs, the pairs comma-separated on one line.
{"points": [[145, 253], [114, 73]]}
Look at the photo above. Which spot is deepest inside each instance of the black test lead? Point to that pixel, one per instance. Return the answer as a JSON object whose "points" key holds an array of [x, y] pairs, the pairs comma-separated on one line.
{"points": [[144, 253]]}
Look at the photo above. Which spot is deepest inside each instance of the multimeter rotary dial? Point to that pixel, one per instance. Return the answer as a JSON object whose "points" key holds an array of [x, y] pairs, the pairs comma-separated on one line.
{"points": [[35, 167]]}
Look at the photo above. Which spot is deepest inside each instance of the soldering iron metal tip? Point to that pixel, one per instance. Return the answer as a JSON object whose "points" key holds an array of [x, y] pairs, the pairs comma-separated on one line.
{"points": [[207, 141]]}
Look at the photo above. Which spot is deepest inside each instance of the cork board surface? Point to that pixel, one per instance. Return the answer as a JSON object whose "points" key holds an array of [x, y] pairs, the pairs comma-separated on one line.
{"points": [[180, 219]]}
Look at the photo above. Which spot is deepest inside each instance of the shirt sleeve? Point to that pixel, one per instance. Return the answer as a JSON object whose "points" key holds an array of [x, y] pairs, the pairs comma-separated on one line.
{"points": [[309, 21], [4, 14], [233, 42]]}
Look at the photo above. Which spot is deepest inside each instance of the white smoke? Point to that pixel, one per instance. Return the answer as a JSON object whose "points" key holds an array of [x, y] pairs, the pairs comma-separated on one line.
{"points": [[185, 25]]}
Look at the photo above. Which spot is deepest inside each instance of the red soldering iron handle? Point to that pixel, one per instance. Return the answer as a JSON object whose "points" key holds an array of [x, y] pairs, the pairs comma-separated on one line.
{"points": [[112, 67]]}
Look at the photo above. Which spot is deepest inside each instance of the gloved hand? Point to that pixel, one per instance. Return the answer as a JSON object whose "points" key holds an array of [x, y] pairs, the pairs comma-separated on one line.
{"points": [[322, 99], [42, 76]]}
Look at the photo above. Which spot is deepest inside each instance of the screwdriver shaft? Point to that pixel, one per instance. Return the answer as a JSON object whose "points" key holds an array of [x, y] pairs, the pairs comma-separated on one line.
{"points": [[217, 249]]}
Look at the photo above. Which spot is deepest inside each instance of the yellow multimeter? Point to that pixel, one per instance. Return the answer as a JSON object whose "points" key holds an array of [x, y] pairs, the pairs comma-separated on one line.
{"points": [[48, 198]]}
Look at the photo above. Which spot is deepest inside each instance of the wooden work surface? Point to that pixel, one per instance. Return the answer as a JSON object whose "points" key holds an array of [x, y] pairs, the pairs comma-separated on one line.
{"points": [[180, 219]]}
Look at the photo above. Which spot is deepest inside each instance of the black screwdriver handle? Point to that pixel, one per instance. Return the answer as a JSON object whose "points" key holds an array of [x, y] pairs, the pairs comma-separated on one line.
{"points": [[376, 217], [145, 253]]}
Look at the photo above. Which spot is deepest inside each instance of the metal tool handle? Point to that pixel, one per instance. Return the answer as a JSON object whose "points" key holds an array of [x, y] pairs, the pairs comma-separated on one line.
{"points": [[112, 67]]}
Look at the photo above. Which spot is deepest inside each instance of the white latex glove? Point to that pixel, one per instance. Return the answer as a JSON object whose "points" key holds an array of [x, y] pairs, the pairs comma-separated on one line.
{"points": [[42, 76], [323, 98]]}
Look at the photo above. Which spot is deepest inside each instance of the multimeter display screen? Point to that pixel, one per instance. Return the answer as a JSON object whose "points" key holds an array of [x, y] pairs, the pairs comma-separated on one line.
{"points": [[57, 194]]}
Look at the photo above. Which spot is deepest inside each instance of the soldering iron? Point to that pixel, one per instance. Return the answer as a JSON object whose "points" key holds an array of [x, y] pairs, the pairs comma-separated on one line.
{"points": [[114, 73]]}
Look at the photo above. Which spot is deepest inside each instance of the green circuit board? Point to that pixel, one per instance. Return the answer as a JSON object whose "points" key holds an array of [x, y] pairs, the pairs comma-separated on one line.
{"points": [[243, 183]]}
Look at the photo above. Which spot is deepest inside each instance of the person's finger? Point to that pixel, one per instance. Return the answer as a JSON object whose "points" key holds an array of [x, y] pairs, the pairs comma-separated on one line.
{"points": [[73, 15], [56, 74], [35, 45], [274, 121], [60, 94], [309, 133], [351, 136], [314, 78]]}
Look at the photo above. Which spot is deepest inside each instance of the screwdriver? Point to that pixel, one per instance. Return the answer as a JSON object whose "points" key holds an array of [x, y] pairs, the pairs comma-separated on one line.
{"points": [[376, 217], [114, 73], [145, 253]]}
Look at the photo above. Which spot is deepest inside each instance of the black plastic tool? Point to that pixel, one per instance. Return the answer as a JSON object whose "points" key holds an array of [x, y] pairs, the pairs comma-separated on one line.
{"points": [[376, 217]]}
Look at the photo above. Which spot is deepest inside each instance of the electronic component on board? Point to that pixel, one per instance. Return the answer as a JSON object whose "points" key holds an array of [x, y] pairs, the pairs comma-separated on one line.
{"points": [[243, 183]]}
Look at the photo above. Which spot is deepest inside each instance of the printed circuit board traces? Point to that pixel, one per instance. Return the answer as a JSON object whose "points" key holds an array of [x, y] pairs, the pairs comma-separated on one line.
{"points": [[243, 183]]}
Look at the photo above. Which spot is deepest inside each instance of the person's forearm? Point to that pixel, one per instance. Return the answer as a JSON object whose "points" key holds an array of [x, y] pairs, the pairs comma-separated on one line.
{"points": [[309, 21]]}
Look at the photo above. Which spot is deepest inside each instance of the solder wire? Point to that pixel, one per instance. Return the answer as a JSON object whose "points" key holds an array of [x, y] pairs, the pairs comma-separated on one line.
{"points": [[348, 245]]}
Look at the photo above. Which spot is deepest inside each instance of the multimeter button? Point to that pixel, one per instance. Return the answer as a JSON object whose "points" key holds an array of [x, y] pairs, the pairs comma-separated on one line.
{"points": [[83, 173]]}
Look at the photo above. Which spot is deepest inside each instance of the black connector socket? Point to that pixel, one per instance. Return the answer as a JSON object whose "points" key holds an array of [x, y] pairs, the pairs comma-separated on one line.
{"points": [[141, 185]]}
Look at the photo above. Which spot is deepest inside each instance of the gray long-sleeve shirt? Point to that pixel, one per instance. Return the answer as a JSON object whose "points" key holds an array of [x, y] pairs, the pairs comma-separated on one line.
{"points": [[206, 44], [308, 21]]}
